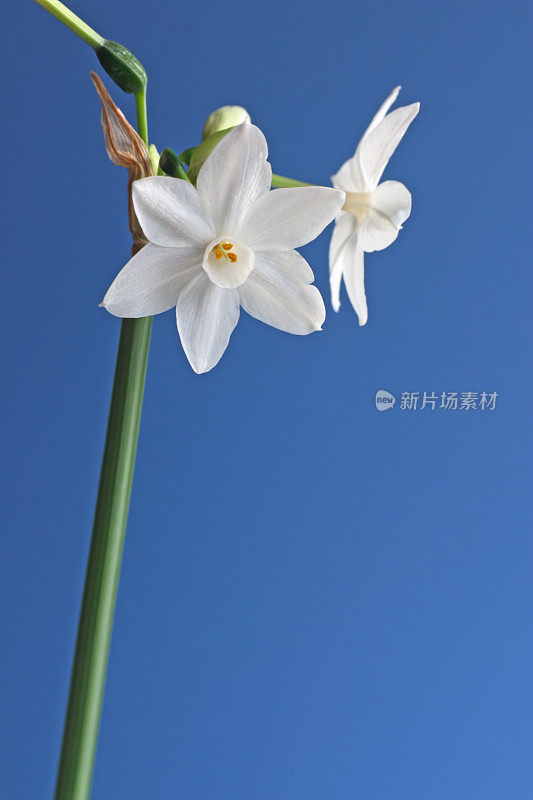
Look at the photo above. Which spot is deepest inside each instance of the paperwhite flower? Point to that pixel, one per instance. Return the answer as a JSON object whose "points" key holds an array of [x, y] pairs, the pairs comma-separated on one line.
{"points": [[226, 244], [373, 212]]}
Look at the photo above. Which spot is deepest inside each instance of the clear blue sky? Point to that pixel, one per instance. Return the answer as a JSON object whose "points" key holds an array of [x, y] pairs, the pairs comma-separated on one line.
{"points": [[318, 601]]}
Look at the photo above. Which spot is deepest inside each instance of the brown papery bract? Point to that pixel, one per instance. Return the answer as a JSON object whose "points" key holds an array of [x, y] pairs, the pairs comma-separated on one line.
{"points": [[125, 148]]}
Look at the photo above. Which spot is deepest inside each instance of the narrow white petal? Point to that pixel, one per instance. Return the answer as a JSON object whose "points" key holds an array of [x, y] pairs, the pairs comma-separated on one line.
{"points": [[376, 119], [354, 278], [377, 147], [286, 218], [344, 227], [351, 177], [152, 280], [335, 277], [206, 316], [389, 206], [234, 175], [345, 179], [349, 263], [276, 294], [171, 212], [358, 177]]}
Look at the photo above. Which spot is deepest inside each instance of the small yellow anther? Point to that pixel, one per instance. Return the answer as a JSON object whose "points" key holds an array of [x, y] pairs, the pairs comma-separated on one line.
{"points": [[221, 250]]}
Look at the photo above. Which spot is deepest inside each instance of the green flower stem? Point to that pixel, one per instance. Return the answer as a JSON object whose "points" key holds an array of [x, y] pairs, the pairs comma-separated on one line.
{"points": [[68, 18], [99, 596], [280, 182], [119, 62], [142, 120]]}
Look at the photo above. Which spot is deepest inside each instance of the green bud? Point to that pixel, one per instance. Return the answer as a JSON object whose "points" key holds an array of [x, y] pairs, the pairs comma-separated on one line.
{"points": [[154, 158], [122, 67], [224, 118], [202, 152], [170, 163]]}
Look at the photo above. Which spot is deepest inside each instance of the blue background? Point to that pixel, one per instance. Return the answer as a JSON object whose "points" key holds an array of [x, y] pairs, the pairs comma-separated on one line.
{"points": [[318, 601]]}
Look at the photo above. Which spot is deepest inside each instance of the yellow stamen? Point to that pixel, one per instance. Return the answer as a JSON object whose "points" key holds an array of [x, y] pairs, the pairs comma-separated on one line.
{"points": [[221, 250]]}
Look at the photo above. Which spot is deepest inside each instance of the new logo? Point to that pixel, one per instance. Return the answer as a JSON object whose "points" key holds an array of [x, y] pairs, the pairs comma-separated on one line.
{"points": [[384, 400]]}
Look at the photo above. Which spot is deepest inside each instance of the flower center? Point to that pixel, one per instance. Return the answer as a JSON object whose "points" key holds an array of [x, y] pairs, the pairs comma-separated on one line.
{"points": [[357, 204], [227, 262]]}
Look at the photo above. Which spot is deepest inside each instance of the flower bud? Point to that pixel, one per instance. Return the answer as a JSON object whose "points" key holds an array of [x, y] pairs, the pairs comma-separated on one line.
{"points": [[202, 152], [154, 158], [122, 66], [224, 118], [171, 164]]}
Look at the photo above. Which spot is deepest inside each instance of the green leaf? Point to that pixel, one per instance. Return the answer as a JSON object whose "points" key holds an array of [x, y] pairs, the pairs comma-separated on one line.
{"points": [[186, 156]]}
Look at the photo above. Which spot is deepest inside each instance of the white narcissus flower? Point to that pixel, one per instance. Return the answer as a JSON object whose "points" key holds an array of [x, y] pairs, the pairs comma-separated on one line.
{"points": [[228, 243], [373, 212]]}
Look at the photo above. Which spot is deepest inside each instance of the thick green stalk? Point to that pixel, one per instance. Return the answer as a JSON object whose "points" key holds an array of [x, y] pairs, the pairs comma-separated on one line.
{"points": [[98, 605], [142, 120], [119, 62], [280, 182], [76, 25]]}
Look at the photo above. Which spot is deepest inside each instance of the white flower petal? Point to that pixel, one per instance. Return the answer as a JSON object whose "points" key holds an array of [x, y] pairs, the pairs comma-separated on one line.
{"points": [[276, 294], [350, 264], [376, 119], [392, 199], [345, 179], [206, 316], [234, 175], [287, 218], [389, 206], [354, 278], [377, 232], [350, 178], [357, 177], [287, 264], [344, 227], [171, 212], [152, 280], [377, 147]]}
